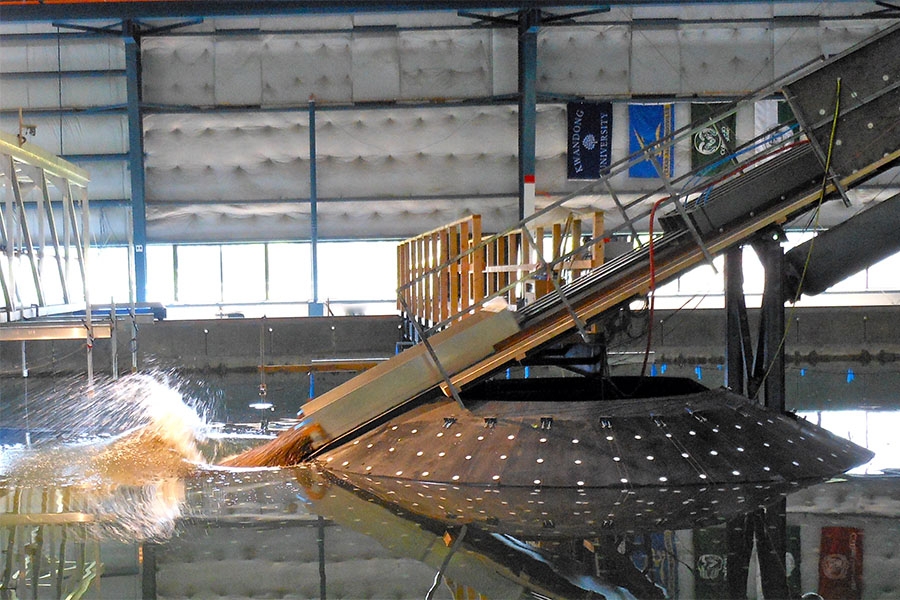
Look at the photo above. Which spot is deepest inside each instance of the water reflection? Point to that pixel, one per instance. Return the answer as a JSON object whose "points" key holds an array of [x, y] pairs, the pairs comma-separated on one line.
{"points": [[307, 532], [138, 514]]}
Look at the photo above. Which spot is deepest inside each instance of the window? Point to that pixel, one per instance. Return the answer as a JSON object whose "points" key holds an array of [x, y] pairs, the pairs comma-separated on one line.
{"points": [[160, 273], [289, 273], [108, 268], [199, 274], [244, 273], [357, 271]]}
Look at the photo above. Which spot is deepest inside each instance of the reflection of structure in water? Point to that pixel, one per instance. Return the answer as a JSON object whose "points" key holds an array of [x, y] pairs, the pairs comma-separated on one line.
{"points": [[293, 531]]}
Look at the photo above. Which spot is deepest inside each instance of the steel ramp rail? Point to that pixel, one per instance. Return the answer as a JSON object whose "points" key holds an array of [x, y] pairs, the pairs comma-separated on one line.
{"points": [[790, 183], [632, 279]]}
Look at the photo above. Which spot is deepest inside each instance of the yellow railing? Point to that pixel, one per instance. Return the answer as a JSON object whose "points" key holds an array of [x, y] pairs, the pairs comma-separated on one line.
{"points": [[434, 287], [443, 273]]}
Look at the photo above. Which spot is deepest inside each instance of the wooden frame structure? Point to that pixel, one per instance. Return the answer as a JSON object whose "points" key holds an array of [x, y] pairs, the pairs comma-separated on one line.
{"points": [[444, 273]]}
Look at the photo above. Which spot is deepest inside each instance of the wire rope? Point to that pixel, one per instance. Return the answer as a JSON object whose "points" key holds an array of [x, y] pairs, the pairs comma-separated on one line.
{"points": [[817, 212]]}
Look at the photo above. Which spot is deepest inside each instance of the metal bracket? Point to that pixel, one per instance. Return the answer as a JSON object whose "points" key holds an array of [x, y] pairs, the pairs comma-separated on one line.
{"points": [[454, 391], [579, 324]]}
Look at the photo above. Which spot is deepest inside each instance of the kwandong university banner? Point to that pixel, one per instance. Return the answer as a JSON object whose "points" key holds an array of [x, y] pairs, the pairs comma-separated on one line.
{"points": [[712, 148], [648, 123], [589, 139]]}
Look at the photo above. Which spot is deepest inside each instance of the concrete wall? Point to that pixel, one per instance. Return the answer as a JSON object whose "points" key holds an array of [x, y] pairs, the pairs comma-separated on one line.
{"points": [[836, 357], [214, 363]]}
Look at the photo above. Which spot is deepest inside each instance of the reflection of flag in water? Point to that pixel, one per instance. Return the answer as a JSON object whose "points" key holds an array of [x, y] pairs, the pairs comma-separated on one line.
{"points": [[712, 148], [463, 592], [841, 563], [710, 563], [663, 564], [648, 123]]}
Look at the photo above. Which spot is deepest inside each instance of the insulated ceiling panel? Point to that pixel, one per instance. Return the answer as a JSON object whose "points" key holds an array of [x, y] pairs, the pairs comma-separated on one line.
{"points": [[45, 54], [386, 218], [589, 61], [375, 70], [444, 64], [655, 61], [79, 133], [372, 153], [725, 61]]}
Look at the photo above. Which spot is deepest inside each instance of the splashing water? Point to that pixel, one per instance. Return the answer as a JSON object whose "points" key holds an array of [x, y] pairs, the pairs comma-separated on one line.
{"points": [[131, 431]]}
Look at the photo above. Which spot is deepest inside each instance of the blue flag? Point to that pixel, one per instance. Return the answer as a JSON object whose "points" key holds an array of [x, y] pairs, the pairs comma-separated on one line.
{"points": [[648, 123]]}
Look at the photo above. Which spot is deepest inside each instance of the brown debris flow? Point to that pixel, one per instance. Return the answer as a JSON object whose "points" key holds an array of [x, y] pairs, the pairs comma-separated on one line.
{"points": [[144, 455], [291, 447]]}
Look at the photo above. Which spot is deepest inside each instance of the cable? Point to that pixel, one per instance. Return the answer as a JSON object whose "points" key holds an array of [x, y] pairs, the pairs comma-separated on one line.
{"points": [[652, 289], [817, 212]]}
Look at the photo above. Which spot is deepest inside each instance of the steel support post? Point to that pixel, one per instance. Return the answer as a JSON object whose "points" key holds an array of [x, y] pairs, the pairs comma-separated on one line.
{"points": [[527, 51], [136, 157], [734, 294], [772, 257]]}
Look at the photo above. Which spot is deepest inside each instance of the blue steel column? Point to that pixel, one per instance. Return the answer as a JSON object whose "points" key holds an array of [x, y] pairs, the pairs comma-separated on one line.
{"points": [[527, 50], [315, 308], [136, 158]]}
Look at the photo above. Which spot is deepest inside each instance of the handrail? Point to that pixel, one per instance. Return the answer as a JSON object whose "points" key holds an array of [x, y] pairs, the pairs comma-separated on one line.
{"points": [[446, 272]]}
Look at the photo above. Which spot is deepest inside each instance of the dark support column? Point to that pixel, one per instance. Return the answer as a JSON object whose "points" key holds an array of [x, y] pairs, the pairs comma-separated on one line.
{"points": [[529, 20], [771, 549], [734, 294], [136, 156], [320, 541], [148, 571], [772, 258]]}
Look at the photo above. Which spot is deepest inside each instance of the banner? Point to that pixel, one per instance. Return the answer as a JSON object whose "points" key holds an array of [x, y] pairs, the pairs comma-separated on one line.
{"points": [[590, 139], [772, 117], [648, 123], [841, 563], [713, 146]]}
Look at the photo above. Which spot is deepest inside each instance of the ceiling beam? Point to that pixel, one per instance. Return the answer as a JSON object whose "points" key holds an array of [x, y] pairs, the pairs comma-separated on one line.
{"points": [[50, 10]]}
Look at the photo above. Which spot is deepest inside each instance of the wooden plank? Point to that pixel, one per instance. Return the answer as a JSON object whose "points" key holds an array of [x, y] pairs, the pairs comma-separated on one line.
{"points": [[579, 264], [576, 242], [401, 273], [557, 240], [453, 235], [490, 278], [435, 279], [444, 277], [426, 280], [411, 298], [403, 377], [478, 264], [598, 248], [465, 265]]}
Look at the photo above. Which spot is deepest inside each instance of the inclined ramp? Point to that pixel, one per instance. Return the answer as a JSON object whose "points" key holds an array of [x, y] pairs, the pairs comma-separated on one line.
{"points": [[755, 196]]}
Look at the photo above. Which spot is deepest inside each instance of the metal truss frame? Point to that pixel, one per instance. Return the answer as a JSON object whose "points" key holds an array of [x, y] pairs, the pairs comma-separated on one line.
{"points": [[43, 206]]}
